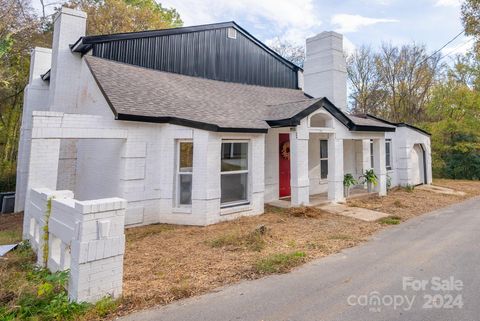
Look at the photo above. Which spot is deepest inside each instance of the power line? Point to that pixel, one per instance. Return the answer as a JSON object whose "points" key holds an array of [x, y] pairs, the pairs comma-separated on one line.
{"points": [[449, 42], [456, 48]]}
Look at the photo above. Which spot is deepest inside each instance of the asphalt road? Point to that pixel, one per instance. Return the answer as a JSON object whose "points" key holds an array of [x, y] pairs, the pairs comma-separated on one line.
{"points": [[425, 269]]}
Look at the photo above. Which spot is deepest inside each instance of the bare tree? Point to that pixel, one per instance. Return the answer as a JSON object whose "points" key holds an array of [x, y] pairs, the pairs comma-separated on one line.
{"points": [[407, 73], [289, 51], [367, 95]]}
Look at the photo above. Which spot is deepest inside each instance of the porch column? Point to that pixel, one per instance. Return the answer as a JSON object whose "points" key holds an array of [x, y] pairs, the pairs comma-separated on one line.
{"points": [[299, 181], [379, 165], [335, 169]]}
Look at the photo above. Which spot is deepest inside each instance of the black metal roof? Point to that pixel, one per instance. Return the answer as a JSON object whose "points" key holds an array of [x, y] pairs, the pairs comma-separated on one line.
{"points": [[84, 44]]}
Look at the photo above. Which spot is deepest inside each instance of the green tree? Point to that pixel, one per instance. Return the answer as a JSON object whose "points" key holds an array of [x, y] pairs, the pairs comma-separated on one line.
{"points": [[115, 16], [454, 111]]}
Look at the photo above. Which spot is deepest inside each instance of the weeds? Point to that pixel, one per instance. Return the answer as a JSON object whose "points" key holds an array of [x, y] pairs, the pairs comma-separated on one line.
{"points": [[390, 220], [29, 292], [409, 188], [253, 241], [279, 263], [340, 237]]}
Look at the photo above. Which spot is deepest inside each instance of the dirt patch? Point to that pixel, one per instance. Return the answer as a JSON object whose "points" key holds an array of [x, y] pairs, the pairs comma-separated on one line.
{"points": [[408, 203]]}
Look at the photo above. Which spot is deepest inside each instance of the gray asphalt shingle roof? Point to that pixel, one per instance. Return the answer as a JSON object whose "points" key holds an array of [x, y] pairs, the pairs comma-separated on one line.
{"points": [[148, 94]]}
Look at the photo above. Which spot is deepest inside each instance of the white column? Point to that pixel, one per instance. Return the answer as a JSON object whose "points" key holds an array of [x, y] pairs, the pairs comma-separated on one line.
{"points": [[380, 166], [35, 98], [43, 171], [299, 181], [206, 177], [335, 169]]}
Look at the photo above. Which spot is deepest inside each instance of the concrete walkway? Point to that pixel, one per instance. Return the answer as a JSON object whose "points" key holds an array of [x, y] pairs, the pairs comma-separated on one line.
{"points": [[443, 244], [355, 212]]}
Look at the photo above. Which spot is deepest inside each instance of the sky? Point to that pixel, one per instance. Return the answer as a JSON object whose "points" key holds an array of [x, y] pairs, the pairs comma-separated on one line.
{"points": [[362, 22]]}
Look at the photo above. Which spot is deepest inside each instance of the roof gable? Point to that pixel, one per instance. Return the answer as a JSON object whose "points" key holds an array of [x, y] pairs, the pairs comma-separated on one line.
{"points": [[202, 51]]}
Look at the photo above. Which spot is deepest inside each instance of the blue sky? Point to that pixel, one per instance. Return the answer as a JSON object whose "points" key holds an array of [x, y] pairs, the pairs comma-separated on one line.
{"points": [[363, 22], [370, 22]]}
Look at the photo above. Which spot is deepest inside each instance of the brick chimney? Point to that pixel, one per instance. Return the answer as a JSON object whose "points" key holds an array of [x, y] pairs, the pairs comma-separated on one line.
{"points": [[69, 26], [325, 70]]}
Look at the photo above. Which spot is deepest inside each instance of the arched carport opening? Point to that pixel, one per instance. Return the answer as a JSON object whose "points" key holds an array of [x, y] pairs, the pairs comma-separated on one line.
{"points": [[419, 164]]}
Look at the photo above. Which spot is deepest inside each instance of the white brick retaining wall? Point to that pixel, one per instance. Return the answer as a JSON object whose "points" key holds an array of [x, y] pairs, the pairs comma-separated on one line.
{"points": [[86, 237]]}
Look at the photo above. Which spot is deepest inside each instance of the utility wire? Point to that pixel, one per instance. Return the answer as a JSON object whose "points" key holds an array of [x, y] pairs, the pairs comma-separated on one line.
{"points": [[449, 42], [456, 48]]}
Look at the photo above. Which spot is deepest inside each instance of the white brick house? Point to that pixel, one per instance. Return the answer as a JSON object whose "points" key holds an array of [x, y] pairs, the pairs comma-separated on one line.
{"points": [[200, 124]]}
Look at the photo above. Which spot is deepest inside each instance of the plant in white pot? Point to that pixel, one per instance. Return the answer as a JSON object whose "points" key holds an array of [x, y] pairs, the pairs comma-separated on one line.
{"points": [[371, 178], [348, 181]]}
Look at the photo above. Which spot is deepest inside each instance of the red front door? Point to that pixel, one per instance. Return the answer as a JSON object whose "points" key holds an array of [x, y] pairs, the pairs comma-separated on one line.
{"points": [[284, 164]]}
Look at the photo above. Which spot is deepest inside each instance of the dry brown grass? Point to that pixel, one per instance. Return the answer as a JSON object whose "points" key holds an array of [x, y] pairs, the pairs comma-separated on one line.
{"points": [[405, 204], [178, 261]]}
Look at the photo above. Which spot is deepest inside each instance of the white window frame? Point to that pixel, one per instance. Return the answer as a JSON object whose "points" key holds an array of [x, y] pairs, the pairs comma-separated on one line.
{"points": [[178, 174], [388, 157], [324, 158], [247, 171]]}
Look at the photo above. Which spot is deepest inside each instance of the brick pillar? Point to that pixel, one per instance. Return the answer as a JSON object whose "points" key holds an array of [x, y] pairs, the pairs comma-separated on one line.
{"points": [[335, 169], [97, 250], [42, 172]]}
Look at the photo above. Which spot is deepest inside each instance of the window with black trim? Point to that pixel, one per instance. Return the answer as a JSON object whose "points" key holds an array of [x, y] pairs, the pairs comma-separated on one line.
{"points": [[372, 157], [388, 154], [323, 159]]}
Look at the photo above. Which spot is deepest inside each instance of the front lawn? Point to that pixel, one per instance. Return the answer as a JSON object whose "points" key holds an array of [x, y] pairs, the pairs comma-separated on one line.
{"points": [[164, 262]]}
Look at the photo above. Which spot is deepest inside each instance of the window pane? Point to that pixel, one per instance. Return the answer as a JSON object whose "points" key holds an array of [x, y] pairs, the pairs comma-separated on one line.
{"points": [[371, 154], [234, 156], [234, 187], [186, 157], [324, 169], [323, 148], [387, 154], [185, 197]]}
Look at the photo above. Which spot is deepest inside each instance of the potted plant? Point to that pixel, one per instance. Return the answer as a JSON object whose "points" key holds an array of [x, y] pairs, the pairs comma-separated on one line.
{"points": [[371, 178], [348, 181]]}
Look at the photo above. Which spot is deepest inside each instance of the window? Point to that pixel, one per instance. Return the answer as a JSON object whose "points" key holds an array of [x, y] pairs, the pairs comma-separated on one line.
{"points": [[372, 157], [184, 172], [323, 159], [388, 153], [234, 173], [232, 33]]}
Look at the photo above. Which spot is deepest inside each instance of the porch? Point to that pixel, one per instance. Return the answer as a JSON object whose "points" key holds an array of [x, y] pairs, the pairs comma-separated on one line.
{"points": [[313, 158]]}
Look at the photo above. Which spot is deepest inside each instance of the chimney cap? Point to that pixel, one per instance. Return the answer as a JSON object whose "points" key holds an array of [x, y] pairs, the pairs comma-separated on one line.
{"points": [[71, 12], [325, 34]]}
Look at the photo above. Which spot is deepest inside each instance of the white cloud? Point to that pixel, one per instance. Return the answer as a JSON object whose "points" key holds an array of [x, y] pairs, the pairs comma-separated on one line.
{"points": [[350, 23], [290, 19], [448, 3]]}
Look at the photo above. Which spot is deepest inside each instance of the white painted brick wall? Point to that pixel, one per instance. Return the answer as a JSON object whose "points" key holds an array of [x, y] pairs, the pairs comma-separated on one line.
{"points": [[86, 237]]}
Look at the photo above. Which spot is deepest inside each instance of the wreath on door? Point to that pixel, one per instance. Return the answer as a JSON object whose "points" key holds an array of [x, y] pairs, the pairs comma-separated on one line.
{"points": [[285, 150]]}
